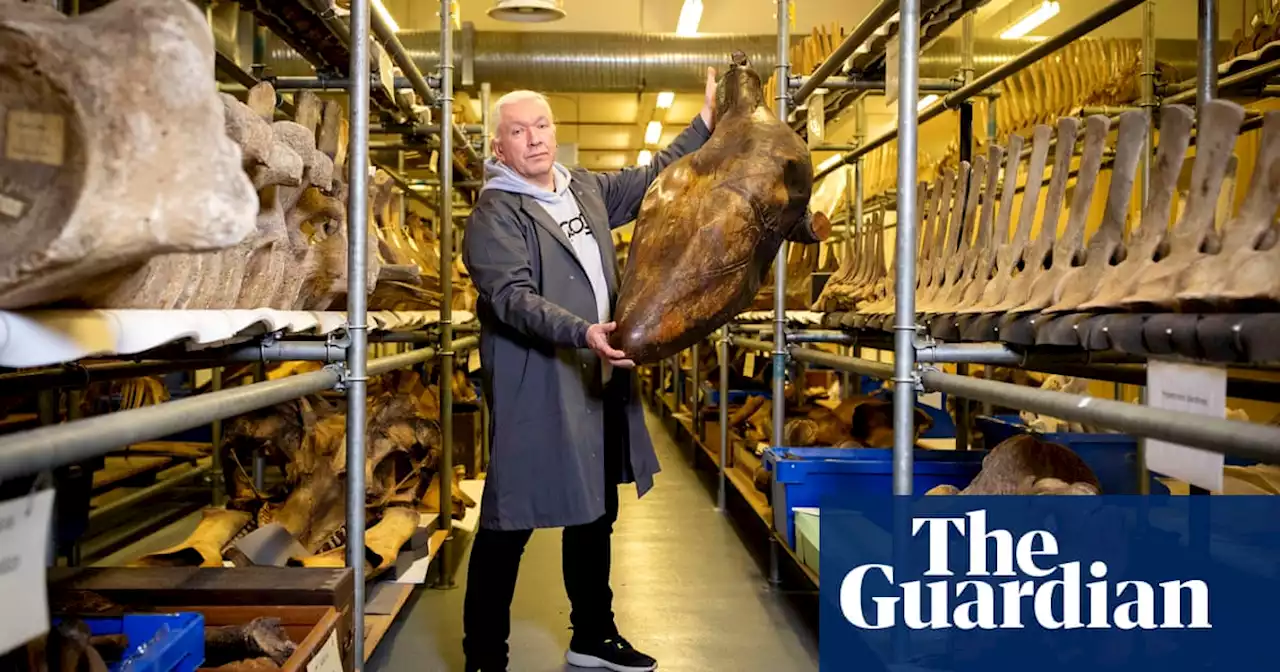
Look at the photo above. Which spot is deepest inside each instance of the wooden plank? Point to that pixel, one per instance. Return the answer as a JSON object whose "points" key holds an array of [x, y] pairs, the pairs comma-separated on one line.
{"points": [[308, 648], [377, 625], [119, 469], [748, 491], [162, 586]]}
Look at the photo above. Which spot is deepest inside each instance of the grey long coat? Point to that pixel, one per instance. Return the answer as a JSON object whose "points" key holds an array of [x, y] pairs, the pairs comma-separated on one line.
{"points": [[547, 439]]}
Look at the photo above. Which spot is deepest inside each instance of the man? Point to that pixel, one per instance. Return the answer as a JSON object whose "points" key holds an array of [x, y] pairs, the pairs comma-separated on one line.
{"points": [[567, 426]]}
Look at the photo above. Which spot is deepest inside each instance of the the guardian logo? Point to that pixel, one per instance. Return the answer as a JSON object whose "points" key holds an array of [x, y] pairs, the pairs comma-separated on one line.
{"points": [[1053, 595]]}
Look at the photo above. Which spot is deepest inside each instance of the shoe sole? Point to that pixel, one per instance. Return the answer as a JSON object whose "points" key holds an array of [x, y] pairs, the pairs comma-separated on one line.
{"points": [[584, 660]]}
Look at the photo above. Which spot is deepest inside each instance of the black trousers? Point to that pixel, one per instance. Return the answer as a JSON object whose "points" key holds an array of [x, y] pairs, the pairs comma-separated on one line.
{"points": [[586, 552]]}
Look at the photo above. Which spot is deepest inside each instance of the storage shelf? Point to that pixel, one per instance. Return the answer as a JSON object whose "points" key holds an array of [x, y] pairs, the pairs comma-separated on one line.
{"points": [[48, 337]]}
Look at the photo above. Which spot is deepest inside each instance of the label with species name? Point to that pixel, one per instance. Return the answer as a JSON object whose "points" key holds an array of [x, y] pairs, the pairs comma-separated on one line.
{"points": [[35, 137], [24, 542], [1185, 388]]}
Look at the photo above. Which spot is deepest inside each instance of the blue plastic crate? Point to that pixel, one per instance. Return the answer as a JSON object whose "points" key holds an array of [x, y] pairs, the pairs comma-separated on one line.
{"points": [[1112, 457], [157, 642], [735, 396], [801, 476]]}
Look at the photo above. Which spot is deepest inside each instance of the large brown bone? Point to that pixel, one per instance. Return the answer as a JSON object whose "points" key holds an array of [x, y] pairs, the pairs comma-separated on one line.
{"points": [[1068, 249], [1037, 255], [930, 203], [1194, 234], [1107, 243], [1118, 281], [204, 548], [1247, 270], [959, 234], [711, 223], [1025, 465], [997, 238], [113, 146], [947, 237], [1009, 254]]}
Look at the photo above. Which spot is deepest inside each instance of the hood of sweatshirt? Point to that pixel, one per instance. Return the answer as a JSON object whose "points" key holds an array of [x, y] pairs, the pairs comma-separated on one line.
{"points": [[499, 176]]}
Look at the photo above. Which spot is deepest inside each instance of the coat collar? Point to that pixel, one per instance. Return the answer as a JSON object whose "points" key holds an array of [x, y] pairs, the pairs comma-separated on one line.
{"points": [[604, 238]]}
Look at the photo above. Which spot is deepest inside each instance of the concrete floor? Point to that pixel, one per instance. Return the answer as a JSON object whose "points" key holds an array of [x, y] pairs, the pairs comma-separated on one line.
{"points": [[687, 591]]}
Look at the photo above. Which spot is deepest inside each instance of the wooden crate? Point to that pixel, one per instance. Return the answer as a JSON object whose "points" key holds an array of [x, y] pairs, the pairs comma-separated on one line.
{"points": [[312, 604]]}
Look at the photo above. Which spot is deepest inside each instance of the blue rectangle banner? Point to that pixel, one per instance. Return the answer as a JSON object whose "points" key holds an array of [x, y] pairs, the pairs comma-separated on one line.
{"points": [[1080, 583]]}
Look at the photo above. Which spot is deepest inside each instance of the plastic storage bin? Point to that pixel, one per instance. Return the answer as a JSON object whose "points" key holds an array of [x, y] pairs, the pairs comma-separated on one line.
{"points": [[801, 476], [1112, 457], [157, 642]]}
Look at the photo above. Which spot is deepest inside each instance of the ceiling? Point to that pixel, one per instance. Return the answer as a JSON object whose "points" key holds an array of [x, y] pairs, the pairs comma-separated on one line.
{"points": [[609, 129]]}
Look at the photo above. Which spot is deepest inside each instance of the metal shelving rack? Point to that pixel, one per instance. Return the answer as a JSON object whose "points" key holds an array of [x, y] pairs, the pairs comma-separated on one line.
{"points": [[348, 365], [911, 371]]}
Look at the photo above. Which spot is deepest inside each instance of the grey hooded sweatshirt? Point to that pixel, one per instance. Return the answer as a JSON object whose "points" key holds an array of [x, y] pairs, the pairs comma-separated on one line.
{"points": [[563, 207]]}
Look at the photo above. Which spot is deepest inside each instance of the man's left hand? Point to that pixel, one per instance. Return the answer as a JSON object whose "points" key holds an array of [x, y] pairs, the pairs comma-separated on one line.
{"points": [[709, 104]]}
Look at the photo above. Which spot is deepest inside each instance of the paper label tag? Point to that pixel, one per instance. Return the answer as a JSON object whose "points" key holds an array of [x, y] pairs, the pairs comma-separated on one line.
{"points": [[1185, 388], [473, 361], [749, 368], [24, 542], [328, 658], [35, 137], [891, 71], [12, 207]]}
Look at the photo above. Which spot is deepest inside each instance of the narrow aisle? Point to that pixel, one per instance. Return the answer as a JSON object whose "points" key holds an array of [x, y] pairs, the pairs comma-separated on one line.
{"points": [[686, 591]]}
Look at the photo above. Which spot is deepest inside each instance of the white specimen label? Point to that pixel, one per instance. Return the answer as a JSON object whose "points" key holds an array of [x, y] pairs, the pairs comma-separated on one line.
{"points": [[24, 543], [328, 658], [1185, 388]]}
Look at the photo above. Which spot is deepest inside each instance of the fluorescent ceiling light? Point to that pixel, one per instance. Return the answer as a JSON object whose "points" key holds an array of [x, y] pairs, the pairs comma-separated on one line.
{"points": [[666, 98], [386, 16], [690, 15], [830, 162], [1047, 10], [653, 133], [926, 101], [645, 157]]}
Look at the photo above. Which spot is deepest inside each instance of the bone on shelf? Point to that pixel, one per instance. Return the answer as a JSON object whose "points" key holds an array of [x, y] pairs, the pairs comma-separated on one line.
{"points": [[1196, 280]]}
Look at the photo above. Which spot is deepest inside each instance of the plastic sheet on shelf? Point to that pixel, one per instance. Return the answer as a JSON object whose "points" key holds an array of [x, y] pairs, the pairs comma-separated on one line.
{"points": [[48, 337]]}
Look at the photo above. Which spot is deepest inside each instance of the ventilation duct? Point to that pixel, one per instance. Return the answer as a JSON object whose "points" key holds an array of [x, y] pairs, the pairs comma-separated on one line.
{"points": [[633, 62]]}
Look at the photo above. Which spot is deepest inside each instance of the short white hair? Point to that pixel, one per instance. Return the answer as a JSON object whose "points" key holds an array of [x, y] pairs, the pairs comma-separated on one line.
{"points": [[517, 96]]}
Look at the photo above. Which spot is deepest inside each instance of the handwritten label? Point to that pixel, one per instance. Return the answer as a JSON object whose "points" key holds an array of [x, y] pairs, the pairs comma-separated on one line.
{"points": [[24, 540], [473, 361], [1185, 388], [12, 207], [328, 658], [749, 368], [35, 137]]}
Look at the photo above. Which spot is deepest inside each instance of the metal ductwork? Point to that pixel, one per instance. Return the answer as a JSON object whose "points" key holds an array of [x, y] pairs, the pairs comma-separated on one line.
{"points": [[632, 62]]}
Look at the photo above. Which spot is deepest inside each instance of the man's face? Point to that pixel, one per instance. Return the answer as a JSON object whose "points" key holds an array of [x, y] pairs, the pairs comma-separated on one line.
{"points": [[526, 138]]}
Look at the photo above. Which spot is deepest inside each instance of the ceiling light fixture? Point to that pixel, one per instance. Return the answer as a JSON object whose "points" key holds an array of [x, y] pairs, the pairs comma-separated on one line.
{"points": [[926, 101], [1047, 10], [690, 15], [665, 99], [527, 11], [653, 133], [386, 16], [645, 157]]}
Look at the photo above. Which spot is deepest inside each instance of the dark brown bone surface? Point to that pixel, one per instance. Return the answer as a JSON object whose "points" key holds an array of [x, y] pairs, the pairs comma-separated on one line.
{"points": [[1025, 465], [711, 224], [261, 637], [112, 148]]}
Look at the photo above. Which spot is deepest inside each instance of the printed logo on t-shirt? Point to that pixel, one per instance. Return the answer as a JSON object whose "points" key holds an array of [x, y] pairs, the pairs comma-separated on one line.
{"points": [[574, 227]]}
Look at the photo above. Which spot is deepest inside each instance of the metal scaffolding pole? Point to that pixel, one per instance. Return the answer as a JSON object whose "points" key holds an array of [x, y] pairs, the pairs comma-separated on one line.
{"points": [[695, 401], [446, 292], [904, 322], [874, 19], [357, 328], [1207, 62], [780, 260]]}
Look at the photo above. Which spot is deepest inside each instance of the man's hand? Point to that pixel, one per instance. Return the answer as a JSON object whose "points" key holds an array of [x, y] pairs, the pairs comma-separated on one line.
{"points": [[598, 340], [709, 104]]}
